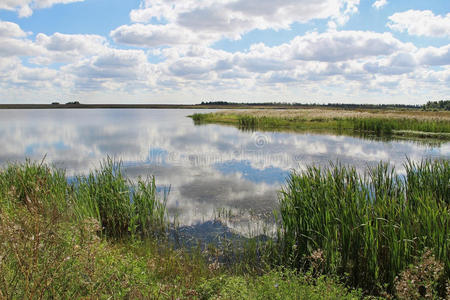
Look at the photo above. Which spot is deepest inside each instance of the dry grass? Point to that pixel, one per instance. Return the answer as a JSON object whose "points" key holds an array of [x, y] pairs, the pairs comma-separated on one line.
{"points": [[330, 114]]}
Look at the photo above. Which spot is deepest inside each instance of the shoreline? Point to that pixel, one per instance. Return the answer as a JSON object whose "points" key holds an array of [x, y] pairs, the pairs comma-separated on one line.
{"points": [[406, 124], [202, 106]]}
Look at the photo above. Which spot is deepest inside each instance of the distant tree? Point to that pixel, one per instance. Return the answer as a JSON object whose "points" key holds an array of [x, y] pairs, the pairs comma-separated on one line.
{"points": [[437, 105], [55, 103], [329, 105]]}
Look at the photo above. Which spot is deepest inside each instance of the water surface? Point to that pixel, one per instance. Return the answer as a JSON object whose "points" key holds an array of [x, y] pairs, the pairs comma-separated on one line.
{"points": [[207, 168]]}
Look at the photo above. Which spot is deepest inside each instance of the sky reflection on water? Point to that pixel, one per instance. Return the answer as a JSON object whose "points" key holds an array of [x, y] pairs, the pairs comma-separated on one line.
{"points": [[207, 167]]}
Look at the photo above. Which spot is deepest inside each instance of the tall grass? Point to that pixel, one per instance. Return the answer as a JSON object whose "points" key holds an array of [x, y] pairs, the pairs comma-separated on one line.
{"points": [[382, 126], [121, 207], [369, 226]]}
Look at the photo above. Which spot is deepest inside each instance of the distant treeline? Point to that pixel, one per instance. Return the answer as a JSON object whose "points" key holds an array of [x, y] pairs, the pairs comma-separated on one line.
{"points": [[431, 105], [437, 105]]}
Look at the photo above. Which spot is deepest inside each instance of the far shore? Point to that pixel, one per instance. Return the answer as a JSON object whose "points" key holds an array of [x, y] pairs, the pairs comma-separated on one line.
{"points": [[208, 106], [106, 106]]}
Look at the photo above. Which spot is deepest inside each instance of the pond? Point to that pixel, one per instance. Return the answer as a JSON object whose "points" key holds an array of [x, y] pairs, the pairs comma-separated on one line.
{"points": [[210, 169]]}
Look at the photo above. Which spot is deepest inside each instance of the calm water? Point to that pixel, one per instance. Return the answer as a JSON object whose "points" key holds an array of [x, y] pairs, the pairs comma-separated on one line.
{"points": [[207, 167]]}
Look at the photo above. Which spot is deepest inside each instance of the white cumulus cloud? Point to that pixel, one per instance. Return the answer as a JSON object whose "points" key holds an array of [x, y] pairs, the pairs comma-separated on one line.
{"points": [[153, 35], [421, 23], [213, 20], [379, 4], [25, 7], [9, 29]]}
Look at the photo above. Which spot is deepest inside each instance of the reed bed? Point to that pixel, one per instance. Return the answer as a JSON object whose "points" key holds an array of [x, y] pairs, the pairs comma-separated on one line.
{"points": [[435, 124], [121, 207], [368, 227]]}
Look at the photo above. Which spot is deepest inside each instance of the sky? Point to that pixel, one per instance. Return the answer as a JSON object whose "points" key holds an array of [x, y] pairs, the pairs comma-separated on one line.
{"points": [[181, 52]]}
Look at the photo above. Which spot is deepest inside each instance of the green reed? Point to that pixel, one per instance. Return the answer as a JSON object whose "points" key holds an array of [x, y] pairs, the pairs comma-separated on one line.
{"points": [[22, 184], [121, 207], [383, 126], [369, 226]]}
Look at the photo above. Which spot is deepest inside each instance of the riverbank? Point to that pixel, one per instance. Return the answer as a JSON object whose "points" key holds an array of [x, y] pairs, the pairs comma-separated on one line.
{"points": [[338, 229], [407, 123], [87, 239]]}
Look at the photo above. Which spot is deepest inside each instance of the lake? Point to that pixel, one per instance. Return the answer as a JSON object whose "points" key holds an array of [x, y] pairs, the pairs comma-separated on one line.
{"points": [[210, 169]]}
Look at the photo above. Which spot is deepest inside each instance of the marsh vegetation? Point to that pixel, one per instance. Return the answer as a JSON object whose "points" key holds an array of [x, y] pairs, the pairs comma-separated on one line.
{"points": [[379, 123], [102, 235]]}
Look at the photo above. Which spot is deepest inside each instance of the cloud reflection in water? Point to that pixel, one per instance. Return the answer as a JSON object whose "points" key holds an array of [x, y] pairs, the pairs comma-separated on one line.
{"points": [[207, 167]]}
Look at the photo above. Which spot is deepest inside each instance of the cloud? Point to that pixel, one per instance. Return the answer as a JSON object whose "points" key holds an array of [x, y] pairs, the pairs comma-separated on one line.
{"points": [[8, 29], [18, 47], [211, 21], [112, 69], [344, 45], [83, 44], [397, 64], [379, 4], [433, 56], [320, 65], [25, 7], [421, 23], [48, 49], [68, 47], [153, 35]]}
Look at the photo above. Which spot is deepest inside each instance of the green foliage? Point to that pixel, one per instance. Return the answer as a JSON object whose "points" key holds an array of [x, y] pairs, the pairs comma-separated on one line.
{"points": [[276, 284], [22, 184], [437, 105], [369, 227], [122, 208], [388, 126], [199, 117]]}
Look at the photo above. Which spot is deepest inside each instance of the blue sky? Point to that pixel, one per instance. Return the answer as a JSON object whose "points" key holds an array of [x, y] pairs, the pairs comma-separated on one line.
{"points": [[167, 51]]}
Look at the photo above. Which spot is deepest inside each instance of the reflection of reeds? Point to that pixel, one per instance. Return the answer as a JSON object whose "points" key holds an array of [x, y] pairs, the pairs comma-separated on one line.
{"points": [[369, 226], [433, 124]]}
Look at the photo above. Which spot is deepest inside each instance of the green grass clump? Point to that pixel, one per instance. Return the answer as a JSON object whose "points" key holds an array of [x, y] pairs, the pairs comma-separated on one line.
{"points": [[370, 227], [121, 207]]}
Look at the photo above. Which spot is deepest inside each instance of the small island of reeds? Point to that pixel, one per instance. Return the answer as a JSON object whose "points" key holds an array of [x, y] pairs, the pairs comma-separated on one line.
{"points": [[405, 123]]}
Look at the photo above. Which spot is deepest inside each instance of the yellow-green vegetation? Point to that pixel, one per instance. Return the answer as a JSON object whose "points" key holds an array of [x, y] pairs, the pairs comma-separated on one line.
{"points": [[435, 124], [102, 237]]}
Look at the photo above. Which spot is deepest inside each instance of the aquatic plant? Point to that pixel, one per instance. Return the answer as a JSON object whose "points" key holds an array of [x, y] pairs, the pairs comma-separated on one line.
{"points": [[369, 226], [121, 207]]}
